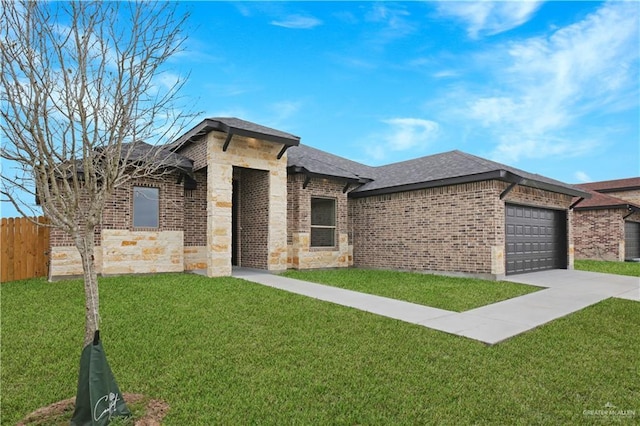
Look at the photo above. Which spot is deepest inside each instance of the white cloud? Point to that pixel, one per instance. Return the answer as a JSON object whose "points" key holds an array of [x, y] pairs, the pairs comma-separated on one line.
{"points": [[297, 22], [403, 134], [550, 85], [446, 74], [582, 177], [167, 80], [407, 133], [284, 110], [487, 17], [394, 23]]}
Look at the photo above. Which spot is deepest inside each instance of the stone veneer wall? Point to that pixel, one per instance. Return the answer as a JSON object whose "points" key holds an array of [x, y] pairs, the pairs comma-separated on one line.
{"points": [[121, 248], [600, 235], [135, 252], [452, 229], [247, 153], [300, 253]]}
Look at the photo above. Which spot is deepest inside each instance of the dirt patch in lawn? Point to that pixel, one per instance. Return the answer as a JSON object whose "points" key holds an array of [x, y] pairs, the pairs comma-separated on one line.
{"points": [[60, 412]]}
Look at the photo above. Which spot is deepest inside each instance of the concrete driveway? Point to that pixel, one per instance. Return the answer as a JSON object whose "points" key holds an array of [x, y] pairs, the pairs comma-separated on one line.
{"points": [[584, 282], [566, 292]]}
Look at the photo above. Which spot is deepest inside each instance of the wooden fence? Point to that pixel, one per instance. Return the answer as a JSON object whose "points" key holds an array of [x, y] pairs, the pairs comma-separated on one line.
{"points": [[24, 249]]}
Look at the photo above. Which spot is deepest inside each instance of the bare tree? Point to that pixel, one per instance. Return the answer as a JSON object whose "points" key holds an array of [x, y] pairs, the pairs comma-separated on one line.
{"points": [[81, 84]]}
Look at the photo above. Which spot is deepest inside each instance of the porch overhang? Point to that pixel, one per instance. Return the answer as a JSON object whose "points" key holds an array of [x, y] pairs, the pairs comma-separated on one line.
{"points": [[236, 127]]}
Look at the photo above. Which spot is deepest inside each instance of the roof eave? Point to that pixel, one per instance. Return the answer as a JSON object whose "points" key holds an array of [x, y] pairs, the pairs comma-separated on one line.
{"points": [[429, 184], [629, 207], [620, 189], [502, 175], [306, 172], [560, 189]]}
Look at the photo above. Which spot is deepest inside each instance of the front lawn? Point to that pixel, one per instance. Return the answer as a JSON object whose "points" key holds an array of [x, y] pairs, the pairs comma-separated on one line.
{"points": [[618, 268], [450, 293], [226, 351]]}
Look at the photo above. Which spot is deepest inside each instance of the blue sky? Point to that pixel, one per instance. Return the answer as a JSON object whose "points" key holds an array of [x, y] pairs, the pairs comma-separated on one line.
{"points": [[548, 87]]}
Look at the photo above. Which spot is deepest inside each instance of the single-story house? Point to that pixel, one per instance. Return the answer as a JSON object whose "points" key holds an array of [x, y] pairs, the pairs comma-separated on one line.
{"points": [[255, 197], [607, 226]]}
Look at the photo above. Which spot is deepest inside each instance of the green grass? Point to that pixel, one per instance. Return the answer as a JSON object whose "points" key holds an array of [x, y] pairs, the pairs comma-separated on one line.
{"points": [[450, 293], [618, 268], [225, 351]]}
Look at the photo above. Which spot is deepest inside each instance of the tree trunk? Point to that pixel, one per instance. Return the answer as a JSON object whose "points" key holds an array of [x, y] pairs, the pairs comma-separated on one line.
{"points": [[86, 247]]}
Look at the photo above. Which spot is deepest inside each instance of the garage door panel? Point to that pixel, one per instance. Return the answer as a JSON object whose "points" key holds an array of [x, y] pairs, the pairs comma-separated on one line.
{"points": [[631, 240], [535, 239]]}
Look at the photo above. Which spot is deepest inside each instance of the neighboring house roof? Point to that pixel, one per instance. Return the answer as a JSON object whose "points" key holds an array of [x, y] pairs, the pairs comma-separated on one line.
{"points": [[447, 168], [603, 201], [234, 126], [613, 185]]}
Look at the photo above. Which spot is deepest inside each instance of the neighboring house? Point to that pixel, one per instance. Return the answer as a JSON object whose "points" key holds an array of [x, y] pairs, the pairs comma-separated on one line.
{"points": [[607, 226], [257, 198]]}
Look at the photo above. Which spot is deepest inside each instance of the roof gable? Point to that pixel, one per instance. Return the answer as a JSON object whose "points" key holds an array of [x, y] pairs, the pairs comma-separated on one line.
{"points": [[235, 126]]}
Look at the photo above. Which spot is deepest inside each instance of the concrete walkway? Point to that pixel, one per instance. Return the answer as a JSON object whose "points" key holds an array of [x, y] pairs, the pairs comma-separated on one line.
{"points": [[567, 292]]}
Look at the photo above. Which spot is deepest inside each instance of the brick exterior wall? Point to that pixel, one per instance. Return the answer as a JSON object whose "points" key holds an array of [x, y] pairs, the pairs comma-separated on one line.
{"points": [[59, 238], [196, 151], [300, 253], [128, 243], [599, 234], [118, 208], [452, 229], [446, 229], [195, 212], [253, 218]]}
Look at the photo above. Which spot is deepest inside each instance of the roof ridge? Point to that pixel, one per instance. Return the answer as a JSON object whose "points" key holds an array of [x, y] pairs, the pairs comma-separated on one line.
{"points": [[411, 160], [478, 160], [334, 155], [332, 165]]}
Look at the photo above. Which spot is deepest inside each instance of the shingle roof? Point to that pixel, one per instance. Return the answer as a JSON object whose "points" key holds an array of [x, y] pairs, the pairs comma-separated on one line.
{"points": [[162, 157], [603, 201], [235, 126], [613, 185], [303, 158], [451, 165], [434, 170]]}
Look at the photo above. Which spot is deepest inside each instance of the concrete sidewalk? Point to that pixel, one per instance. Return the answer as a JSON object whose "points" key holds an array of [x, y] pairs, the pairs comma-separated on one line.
{"points": [[567, 292]]}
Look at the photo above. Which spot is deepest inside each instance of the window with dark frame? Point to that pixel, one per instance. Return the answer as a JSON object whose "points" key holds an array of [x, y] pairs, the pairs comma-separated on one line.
{"points": [[323, 222], [146, 207]]}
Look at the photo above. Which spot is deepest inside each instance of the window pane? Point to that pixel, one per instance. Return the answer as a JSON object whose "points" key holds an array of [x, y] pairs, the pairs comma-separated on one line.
{"points": [[145, 207], [323, 212], [323, 237]]}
